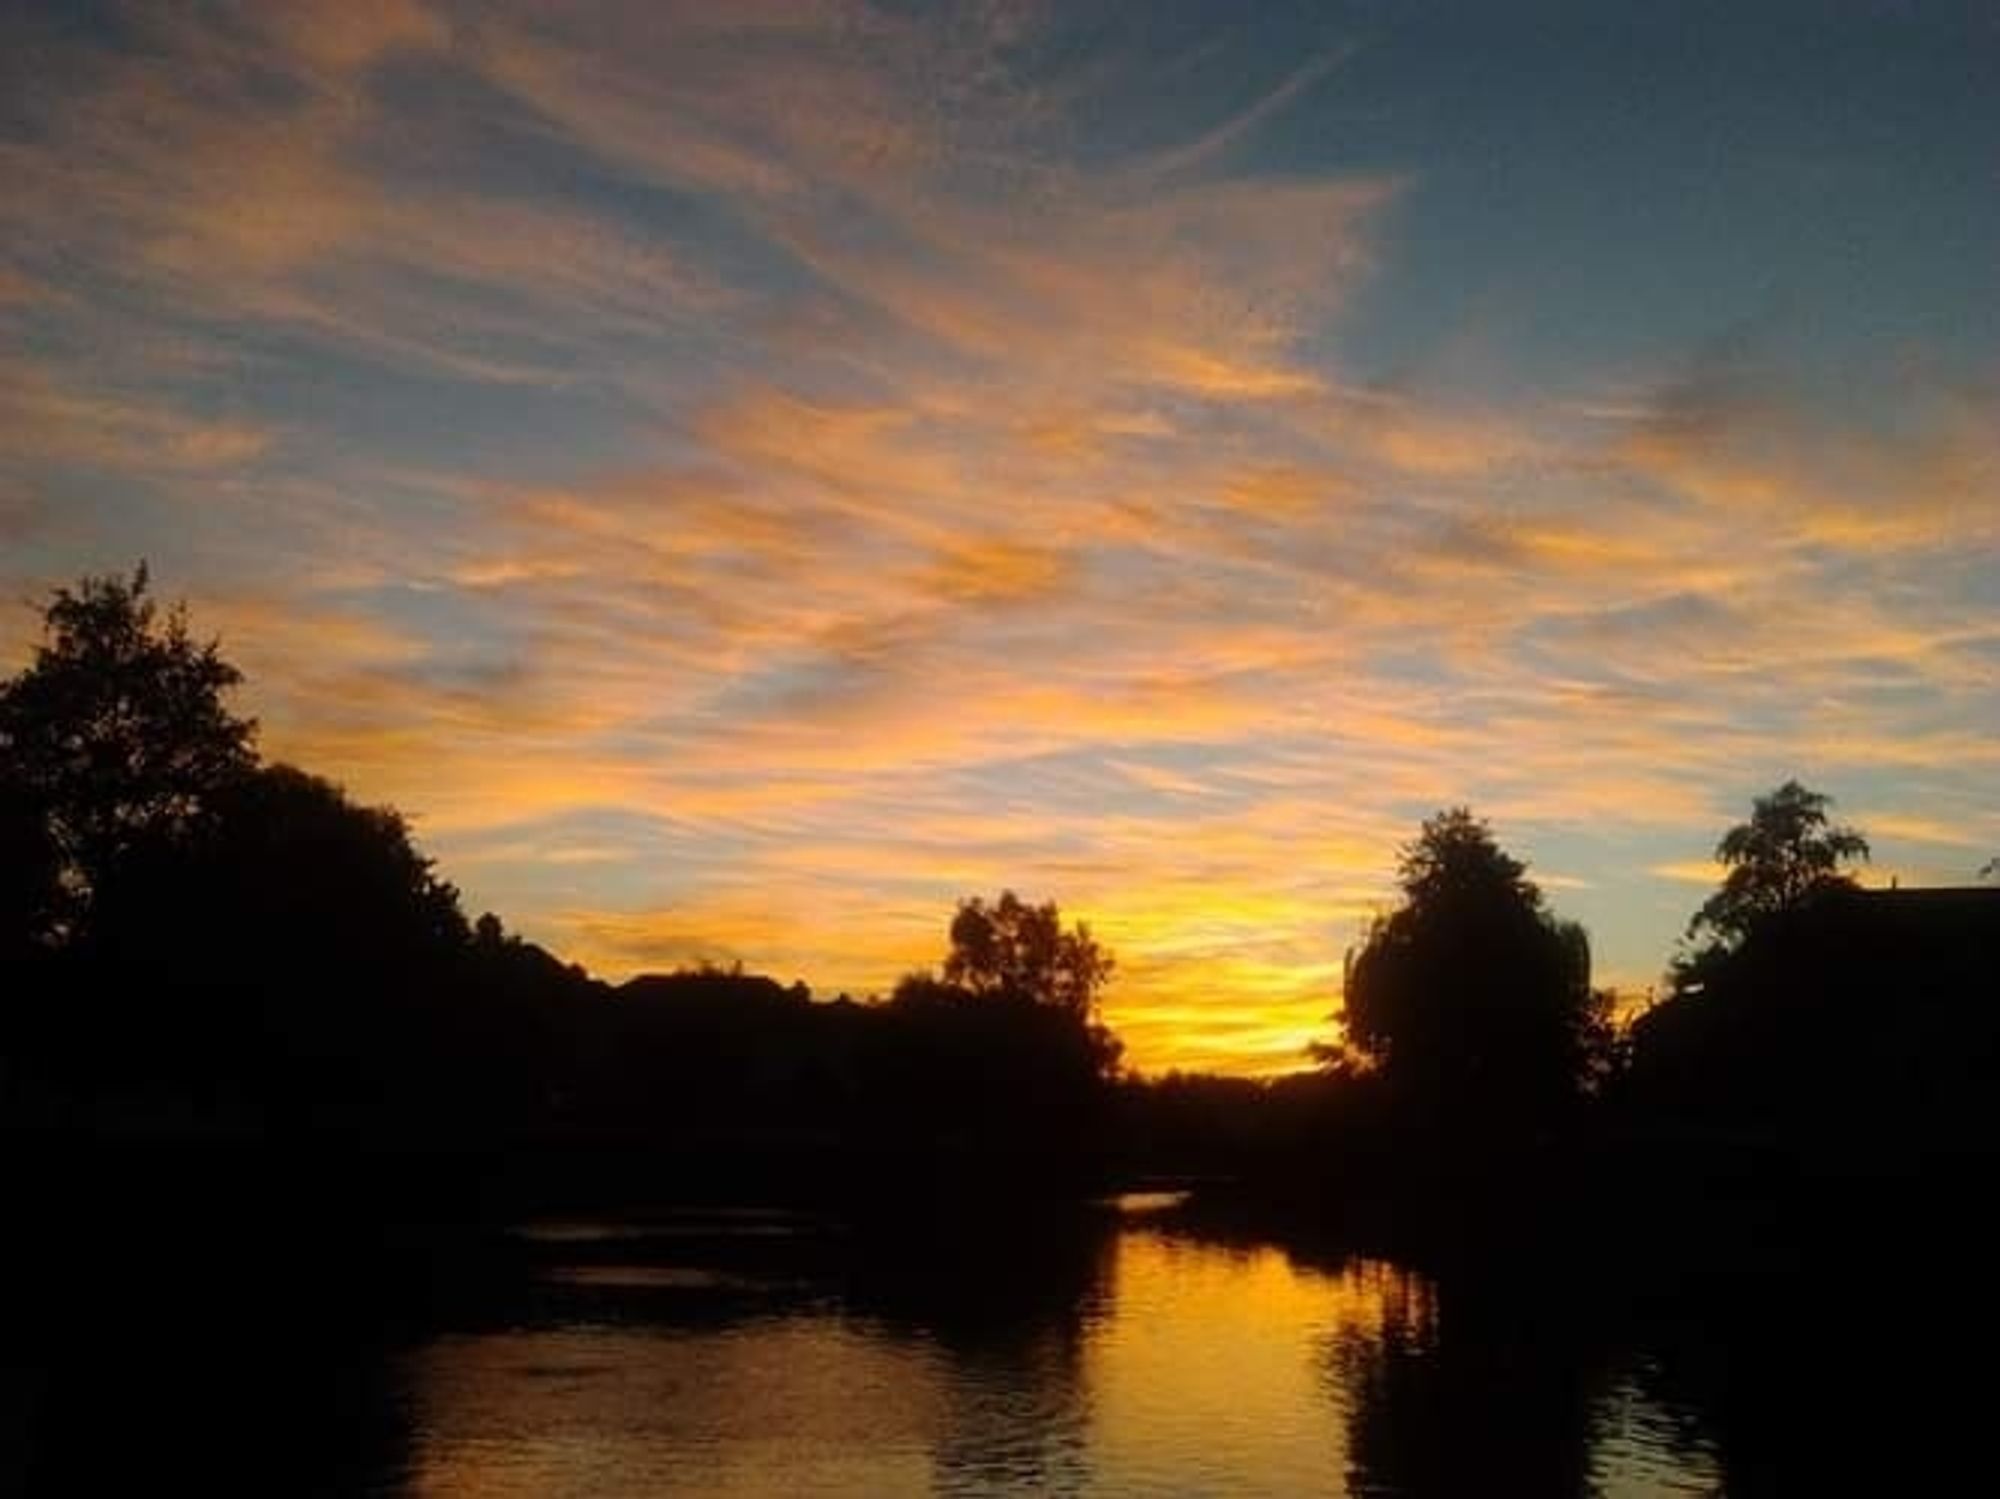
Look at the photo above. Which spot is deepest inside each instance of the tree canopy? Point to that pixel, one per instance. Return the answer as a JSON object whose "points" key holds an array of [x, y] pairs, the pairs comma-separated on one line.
{"points": [[1021, 989], [117, 733], [1772, 1015], [1471, 1000], [287, 867], [1013, 949], [198, 941], [1788, 852]]}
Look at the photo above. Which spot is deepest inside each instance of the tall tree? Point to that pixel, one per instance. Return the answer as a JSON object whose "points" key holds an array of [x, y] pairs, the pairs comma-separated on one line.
{"points": [[1016, 950], [1022, 990], [1471, 1000], [118, 732], [1788, 852], [297, 950], [288, 872]]}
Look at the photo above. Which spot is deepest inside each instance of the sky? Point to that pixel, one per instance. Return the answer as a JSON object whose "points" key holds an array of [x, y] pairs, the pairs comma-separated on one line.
{"points": [[744, 477]]}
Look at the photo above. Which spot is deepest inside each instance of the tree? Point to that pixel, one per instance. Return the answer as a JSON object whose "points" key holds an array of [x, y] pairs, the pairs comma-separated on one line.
{"points": [[1787, 853], [28, 871], [1471, 1000], [295, 948], [1763, 1012], [118, 733], [286, 868], [1015, 950], [1017, 1003]]}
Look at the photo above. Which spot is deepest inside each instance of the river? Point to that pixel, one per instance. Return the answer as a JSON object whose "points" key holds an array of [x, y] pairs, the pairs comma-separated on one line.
{"points": [[1113, 1352]]}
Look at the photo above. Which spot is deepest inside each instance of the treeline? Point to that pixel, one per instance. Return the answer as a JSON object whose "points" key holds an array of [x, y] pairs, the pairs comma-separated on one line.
{"points": [[493, 1043], [202, 947], [1808, 1029]]}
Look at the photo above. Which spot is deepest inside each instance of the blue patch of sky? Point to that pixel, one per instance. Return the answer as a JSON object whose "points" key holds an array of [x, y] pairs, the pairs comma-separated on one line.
{"points": [[1584, 182], [474, 641], [72, 504], [1633, 919], [473, 131], [400, 412]]}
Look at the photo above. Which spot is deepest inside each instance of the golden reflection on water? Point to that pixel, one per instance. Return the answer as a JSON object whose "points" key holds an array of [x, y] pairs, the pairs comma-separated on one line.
{"points": [[1227, 1343], [1156, 1364], [778, 1406]]}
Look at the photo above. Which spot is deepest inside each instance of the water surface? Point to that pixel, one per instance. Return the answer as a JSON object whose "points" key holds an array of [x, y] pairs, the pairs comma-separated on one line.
{"points": [[1092, 1357], [1104, 1352]]}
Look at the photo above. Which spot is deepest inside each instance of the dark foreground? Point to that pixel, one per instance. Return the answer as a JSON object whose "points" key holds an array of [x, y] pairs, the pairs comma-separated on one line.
{"points": [[226, 1338]]}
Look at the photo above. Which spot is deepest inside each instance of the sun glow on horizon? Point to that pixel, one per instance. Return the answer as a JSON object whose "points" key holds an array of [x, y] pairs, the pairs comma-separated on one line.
{"points": [[744, 478]]}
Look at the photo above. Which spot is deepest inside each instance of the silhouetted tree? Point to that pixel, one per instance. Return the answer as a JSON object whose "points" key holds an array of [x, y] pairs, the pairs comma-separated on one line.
{"points": [[116, 734], [1471, 1387], [705, 1048], [1201, 1122], [296, 948], [287, 867], [1788, 852], [1787, 856], [1006, 1046], [1472, 1001], [29, 866], [1016, 950], [1843, 1018], [1847, 1023]]}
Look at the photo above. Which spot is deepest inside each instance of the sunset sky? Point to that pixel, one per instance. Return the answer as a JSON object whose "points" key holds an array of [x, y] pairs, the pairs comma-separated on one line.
{"points": [[743, 476]]}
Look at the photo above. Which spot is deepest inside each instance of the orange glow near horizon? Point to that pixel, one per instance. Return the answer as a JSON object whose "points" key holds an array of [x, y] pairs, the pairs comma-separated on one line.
{"points": [[743, 478]]}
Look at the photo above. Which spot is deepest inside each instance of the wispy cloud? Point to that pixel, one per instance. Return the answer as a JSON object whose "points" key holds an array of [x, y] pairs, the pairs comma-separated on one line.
{"points": [[747, 476]]}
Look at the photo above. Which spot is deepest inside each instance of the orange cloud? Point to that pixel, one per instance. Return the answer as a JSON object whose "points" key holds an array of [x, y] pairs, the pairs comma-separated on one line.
{"points": [[879, 501]]}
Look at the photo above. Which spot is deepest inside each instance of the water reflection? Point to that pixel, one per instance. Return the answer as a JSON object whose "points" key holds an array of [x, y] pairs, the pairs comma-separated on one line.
{"points": [[1002, 1311], [1203, 1374], [913, 1357], [1486, 1386], [1079, 1353], [1076, 1355]]}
